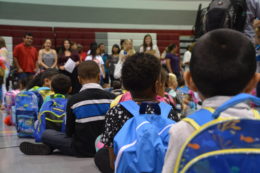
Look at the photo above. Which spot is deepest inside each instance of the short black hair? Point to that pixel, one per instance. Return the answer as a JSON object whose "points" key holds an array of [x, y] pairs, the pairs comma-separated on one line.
{"points": [[27, 34], [223, 62], [61, 84], [35, 81], [88, 70], [140, 72], [116, 84], [49, 74]]}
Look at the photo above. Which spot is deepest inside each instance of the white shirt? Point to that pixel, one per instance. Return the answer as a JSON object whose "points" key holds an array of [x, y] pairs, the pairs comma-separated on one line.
{"points": [[186, 59], [98, 59], [155, 47]]}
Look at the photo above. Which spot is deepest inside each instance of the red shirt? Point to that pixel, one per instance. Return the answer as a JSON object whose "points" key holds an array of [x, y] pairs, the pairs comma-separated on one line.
{"points": [[26, 56]]}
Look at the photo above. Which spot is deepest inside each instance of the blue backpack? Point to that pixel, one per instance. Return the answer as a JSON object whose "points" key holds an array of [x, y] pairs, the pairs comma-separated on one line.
{"points": [[141, 144], [52, 116], [222, 144], [26, 110], [41, 93]]}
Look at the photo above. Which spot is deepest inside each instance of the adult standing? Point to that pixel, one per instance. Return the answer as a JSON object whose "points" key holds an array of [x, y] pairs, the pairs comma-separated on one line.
{"points": [[47, 56], [186, 58], [6, 62], [173, 61], [95, 56], [26, 57], [113, 60], [104, 55], [149, 47], [253, 12], [65, 53]]}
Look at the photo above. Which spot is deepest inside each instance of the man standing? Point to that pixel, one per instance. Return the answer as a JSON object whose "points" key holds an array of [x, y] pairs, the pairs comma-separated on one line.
{"points": [[25, 57]]}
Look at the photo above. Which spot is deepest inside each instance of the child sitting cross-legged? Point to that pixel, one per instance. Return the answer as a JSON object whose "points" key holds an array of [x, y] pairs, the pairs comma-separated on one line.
{"points": [[85, 118], [141, 76]]}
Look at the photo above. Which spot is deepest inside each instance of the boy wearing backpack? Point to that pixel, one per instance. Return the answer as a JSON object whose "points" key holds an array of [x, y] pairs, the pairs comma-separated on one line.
{"points": [[28, 104], [85, 118], [53, 111], [222, 65], [140, 76]]}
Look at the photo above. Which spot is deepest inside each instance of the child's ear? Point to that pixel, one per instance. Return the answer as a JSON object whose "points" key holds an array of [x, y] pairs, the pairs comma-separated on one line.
{"points": [[189, 81], [252, 83], [80, 81], [70, 90], [47, 82]]}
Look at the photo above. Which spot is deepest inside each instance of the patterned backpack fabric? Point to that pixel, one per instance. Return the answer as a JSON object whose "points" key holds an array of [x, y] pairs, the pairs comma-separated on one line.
{"points": [[51, 116], [222, 144], [141, 144], [9, 102], [41, 93], [26, 110]]}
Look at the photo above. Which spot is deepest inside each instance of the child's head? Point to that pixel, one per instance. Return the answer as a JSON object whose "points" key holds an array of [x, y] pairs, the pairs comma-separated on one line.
{"points": [[172, 81], [88, 72], [223, 63], [116, 84], [23, 83], [163, 77], [36, 81], [141, 75], [47, 76], [61, 84]]}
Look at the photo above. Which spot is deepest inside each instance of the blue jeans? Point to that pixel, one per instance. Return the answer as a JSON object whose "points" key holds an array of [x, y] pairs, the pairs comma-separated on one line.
{"points": [[25, 75], [58, 140]]}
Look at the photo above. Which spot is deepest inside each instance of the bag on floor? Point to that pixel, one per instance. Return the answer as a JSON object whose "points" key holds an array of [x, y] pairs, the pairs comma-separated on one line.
{"points": [[9, 102], [141, 144], [26, 110], [52, 116], [222, 144], [221, 14]]}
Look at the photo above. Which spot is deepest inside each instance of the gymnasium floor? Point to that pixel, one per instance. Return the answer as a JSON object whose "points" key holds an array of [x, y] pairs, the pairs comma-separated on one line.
{"points": [[13, 161]]}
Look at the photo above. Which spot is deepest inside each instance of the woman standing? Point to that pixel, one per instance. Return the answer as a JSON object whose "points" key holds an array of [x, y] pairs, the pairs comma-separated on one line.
{"points": [[47, 57], [173, 61], [113, 60], [149, 47], [95, 56], [65, 54], [6, 63]]}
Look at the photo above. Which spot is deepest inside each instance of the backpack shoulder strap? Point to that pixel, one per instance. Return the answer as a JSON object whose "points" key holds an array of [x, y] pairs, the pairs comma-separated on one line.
{"points": [[234, 101], [131, 106], [200, 117], [165, 109]]}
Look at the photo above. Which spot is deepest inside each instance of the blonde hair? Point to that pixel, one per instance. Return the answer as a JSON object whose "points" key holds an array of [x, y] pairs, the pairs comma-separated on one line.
{"points": [[172, 80]]}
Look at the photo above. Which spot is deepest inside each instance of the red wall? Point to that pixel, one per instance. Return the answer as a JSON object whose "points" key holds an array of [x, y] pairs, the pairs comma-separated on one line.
{"points": [[83, 36]]}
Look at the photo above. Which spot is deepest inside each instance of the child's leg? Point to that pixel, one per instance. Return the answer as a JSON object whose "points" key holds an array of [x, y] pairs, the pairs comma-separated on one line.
{"points": [[51, 140], [58, 140]]}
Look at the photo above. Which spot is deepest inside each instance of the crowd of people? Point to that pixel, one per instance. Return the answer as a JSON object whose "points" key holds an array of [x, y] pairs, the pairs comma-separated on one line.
{"points": [[98, 89]]}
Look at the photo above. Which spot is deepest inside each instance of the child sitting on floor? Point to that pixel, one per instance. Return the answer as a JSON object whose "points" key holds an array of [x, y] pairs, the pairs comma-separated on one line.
{"points": [[222, 65]]}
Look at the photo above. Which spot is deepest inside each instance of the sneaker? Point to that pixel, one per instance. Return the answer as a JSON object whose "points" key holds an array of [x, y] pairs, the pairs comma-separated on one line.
{"points": [[34, 149]]}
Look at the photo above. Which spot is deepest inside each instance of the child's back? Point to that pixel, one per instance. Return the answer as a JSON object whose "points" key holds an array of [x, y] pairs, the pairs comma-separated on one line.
{"points": [[222, 65]]}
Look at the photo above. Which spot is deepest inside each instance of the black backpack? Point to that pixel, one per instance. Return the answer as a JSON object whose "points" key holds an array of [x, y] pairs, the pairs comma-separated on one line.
{"points": [[221, 14]]}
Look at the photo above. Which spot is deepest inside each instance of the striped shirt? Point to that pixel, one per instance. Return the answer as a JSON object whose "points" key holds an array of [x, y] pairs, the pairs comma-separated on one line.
{"points": [[85, 117]]}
